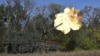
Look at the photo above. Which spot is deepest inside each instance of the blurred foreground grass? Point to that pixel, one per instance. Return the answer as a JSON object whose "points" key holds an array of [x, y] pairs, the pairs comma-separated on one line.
{"points": [[74, 53]]}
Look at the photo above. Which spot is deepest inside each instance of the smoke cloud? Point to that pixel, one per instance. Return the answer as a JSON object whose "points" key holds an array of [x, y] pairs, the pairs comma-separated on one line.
{"points": [[70, 19]]}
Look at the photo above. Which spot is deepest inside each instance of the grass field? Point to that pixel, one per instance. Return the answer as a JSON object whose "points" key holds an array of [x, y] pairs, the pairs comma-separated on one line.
{"points": [[75, 53]]}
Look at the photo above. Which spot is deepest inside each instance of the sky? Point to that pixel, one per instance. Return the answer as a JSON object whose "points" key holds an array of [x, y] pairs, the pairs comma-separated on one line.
{"points": [[74, 3]]}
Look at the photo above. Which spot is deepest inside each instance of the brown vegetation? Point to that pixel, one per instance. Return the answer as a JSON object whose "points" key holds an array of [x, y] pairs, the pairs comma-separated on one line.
{"points": [[75, 53]]}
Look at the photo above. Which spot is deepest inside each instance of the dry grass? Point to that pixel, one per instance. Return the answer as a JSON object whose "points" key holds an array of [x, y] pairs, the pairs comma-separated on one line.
{"points": [[75, 53]]}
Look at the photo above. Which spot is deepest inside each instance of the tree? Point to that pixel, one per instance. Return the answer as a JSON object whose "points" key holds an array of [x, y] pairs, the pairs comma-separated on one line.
{"points": [[2, 27], [13, 16], [89, 37]]}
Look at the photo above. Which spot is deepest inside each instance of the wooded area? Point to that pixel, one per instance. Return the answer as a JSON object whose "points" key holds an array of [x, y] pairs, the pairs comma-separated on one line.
{"points": [[27, 27]]}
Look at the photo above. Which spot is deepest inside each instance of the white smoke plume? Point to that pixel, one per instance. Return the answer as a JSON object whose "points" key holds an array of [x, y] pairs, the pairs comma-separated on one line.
{"points": [[71, 18]]}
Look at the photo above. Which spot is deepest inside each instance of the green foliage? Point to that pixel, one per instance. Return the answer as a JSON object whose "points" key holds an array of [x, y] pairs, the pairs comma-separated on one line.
{"points": [[86, 42]]}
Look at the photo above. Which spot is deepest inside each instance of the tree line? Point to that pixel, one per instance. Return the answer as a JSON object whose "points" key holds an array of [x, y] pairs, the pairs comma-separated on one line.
{"points": [[24, 24]]}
